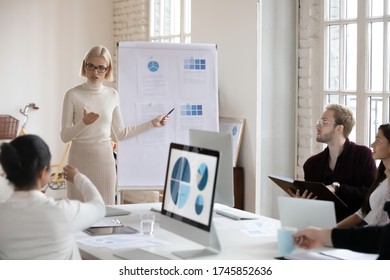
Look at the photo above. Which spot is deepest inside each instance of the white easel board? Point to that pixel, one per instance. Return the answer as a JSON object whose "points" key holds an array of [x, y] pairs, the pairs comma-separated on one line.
{"points": [[152, 79]]}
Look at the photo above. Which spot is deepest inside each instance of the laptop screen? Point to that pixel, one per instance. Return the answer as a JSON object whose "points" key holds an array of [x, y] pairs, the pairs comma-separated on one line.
{"points": [[301, 213], [190, 185]]}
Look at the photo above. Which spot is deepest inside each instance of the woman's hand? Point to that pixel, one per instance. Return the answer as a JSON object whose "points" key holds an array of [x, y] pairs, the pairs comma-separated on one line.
{"points": [[89, 117], [160, 121], [69, 173], [312, 237]]}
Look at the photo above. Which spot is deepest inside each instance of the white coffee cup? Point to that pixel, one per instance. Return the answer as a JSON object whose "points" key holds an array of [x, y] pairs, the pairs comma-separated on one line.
{"points": [[286, 240]]}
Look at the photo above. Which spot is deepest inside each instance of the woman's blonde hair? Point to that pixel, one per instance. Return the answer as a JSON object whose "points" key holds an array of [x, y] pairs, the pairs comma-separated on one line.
{"points": [[102, 52]]}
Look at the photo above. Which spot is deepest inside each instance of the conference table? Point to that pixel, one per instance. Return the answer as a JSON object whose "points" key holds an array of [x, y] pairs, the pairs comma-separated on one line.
{"points": [[247, 239]]}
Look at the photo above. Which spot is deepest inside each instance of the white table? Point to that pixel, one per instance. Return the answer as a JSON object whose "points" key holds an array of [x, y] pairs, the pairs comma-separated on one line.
{"points": [[238, 239]]}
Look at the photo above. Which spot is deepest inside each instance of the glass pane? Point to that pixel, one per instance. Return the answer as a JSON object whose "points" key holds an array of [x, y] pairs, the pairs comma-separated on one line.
{"points": [[332, 98], [375, 8], [155, 18], [187, 16], [374, 116], [332, 48], [351, 9], [350, 56], [388, 59], [333, 9], [174, 18], [350, 102], [375, 56], [187, 39], [388, 8]]}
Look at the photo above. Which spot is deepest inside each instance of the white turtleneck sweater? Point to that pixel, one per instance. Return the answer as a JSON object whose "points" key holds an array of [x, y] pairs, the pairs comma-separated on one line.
{"points": [[99, 99]]}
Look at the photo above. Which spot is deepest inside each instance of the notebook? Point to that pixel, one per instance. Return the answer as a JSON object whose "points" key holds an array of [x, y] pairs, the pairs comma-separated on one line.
{"points": [[301, 213]]}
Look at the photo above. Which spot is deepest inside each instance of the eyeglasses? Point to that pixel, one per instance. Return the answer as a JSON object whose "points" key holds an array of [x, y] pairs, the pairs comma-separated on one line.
{"points": [[324, 122], [100, 68]]}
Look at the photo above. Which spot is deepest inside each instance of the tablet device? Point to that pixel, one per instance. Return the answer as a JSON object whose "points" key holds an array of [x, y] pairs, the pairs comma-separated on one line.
{"points": [[110, 230]]}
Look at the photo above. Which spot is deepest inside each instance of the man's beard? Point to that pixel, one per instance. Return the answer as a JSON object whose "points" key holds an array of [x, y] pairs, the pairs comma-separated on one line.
{"points": [[326, 138]]}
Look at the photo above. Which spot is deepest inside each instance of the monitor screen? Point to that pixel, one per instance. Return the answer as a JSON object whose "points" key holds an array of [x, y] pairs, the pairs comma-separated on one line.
{"points": [[221, 142], [190, 185]]}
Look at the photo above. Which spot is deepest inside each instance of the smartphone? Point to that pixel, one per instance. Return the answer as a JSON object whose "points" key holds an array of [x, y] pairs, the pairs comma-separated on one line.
{"points": [[110, 230]]}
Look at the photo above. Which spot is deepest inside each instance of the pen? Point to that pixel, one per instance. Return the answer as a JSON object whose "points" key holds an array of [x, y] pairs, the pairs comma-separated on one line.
{"points": [[170, 112]]}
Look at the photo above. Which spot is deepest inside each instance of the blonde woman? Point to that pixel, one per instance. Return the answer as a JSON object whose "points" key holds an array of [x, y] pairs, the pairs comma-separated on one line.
{"points": [[90, 116]]}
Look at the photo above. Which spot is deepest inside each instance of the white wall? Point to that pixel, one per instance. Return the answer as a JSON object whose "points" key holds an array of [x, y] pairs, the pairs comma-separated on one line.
{"points": [[278, 99], [42, 46], [232, 25], [256, 64]]}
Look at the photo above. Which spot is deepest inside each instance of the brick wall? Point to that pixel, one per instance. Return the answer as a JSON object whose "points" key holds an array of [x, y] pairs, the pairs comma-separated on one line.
{"points": [[131, 21], [310, 105]]}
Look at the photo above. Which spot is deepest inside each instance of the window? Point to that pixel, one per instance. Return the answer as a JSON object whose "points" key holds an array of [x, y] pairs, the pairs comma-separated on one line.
{"points": [[356, 61], [170, 21]]}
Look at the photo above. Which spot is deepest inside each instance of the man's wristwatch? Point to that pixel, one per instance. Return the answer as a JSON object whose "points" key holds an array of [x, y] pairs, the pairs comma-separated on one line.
{"points": [[336, 186]]}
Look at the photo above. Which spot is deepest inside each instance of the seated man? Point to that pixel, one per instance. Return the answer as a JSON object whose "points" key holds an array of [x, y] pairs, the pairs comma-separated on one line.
{"points": [[346, 168]]}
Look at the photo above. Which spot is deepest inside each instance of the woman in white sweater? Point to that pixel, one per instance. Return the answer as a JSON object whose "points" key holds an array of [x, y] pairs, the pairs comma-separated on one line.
{"points": [[91, 116], [34, 226]]}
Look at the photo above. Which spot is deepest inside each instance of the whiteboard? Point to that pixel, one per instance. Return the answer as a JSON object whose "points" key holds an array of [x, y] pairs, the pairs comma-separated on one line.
{"points": [[152, 79]]}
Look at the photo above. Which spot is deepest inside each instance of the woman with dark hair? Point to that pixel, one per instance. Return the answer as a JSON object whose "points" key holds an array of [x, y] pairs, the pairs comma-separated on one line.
{"points": [[372, 212], [92, 119], [34, 226]]}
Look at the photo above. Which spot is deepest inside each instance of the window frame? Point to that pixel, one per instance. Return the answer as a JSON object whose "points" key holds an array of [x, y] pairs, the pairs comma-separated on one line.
{"points": [[184, 35], [364, 126]]}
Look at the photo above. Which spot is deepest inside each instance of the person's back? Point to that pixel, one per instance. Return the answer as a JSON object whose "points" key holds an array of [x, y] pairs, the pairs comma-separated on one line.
{"points": [[34, 226]]}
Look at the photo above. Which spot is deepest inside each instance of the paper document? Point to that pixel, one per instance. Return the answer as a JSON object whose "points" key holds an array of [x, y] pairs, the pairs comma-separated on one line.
{"points": [[334, 254]]}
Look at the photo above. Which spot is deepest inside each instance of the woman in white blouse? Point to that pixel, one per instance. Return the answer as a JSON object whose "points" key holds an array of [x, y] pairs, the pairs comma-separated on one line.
{"points": [[34, 226], [372, 212]]}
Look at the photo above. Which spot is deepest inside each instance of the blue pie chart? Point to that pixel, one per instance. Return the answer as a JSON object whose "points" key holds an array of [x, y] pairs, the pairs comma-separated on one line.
{"points": [[180, 182], [153, 66], [199, 204], [203, 176]]}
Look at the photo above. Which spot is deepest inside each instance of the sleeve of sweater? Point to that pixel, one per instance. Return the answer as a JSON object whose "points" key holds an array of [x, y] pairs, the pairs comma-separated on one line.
{"points": [[354, 195], [69, 130], [361, 239], [84, 214], [121, 131]]}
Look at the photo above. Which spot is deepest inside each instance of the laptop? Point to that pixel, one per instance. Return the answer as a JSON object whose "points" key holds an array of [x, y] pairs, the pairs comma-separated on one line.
{"points": [[113, 211], [301, 213]]}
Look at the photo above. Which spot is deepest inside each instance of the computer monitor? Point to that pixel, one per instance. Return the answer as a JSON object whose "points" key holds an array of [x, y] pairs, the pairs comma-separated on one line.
{"points": [[187, 206], [221, 142]]}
